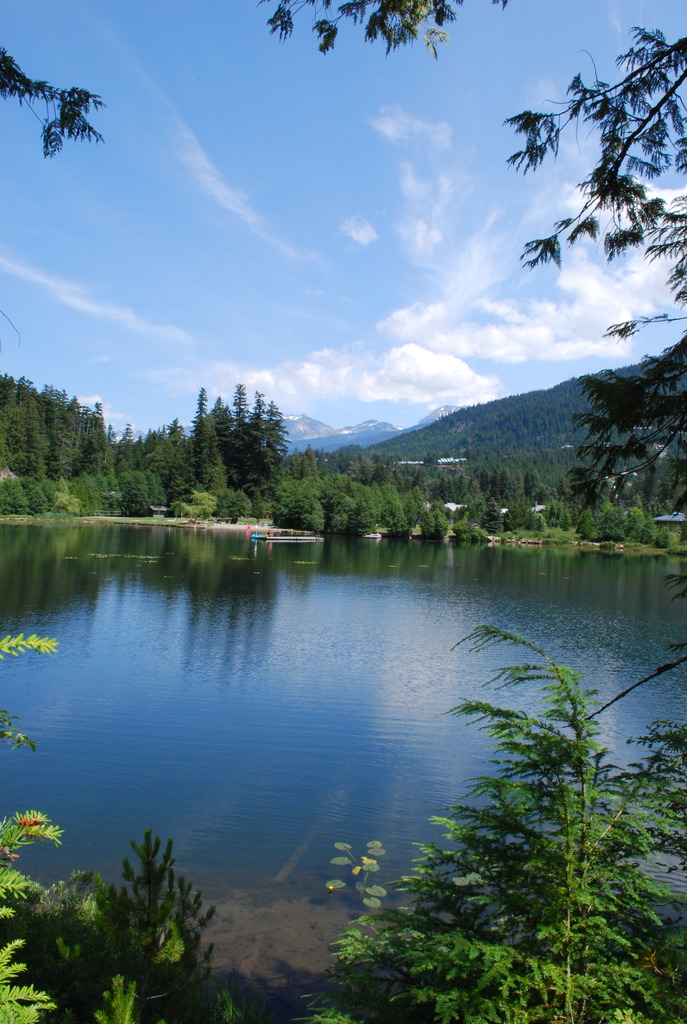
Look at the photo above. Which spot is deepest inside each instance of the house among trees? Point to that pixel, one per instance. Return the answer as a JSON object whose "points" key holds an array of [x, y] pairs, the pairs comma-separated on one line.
{"points": [[673, 521]]}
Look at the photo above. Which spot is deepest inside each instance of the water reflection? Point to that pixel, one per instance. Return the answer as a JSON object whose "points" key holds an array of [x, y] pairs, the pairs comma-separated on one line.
{"points": [[259, 702]]}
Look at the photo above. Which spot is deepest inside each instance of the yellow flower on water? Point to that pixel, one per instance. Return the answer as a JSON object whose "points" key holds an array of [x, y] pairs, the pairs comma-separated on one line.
{"points": [[368, 860], [356, 869]]}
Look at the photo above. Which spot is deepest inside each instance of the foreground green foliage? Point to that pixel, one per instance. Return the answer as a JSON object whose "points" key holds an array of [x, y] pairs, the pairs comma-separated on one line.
{"points": [[79, 934], [19, 1004], [535, 910]]}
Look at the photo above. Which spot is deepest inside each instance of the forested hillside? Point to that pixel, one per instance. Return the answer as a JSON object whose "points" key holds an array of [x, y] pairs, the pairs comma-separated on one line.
{"points": [[538, 420]]}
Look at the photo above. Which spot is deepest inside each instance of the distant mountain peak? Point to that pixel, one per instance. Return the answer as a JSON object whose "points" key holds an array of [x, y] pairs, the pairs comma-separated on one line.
{"points": [[304, 430], [302, 427], [436, 414]]}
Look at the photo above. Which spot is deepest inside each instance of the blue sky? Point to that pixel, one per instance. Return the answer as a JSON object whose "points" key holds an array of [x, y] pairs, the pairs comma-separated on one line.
{"points": [[339, 232]]}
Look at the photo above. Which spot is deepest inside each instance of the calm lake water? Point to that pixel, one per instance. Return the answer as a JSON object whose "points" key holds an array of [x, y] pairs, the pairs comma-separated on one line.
{"points": [[260, 702]]}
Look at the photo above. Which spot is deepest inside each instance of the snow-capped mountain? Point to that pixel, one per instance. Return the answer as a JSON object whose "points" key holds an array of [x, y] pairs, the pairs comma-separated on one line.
{"points": [[436, 414], [304, 431]]}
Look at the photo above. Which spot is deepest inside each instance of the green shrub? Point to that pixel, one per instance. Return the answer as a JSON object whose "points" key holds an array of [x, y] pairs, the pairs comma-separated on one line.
{"points": [[665, 538], [465, 533], [535, 909]]}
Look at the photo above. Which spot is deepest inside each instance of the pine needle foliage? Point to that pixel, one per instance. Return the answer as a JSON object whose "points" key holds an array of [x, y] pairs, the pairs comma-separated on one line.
{"points": [[19, 1004], [639, 122], [154, 923], [397, 22], [120, 1004], [16, 645], [62, 113], [539, 907]]}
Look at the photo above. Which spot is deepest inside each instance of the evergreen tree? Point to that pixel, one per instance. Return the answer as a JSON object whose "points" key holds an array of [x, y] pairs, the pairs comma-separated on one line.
{"points": [[492, 520], [175, 469], [303, 464], [124, 452], [223, 424], [537, 909], [585, 525], [204, 448], [155, 923], [94, 455], [275, 445], [238, 466]]}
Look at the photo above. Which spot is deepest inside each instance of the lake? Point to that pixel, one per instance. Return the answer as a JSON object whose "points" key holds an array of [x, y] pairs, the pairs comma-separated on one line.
{"points": [[260, 702]]}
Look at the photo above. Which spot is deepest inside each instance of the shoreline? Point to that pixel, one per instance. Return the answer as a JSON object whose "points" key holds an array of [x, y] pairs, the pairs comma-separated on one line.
{"points": [[603, 547]]}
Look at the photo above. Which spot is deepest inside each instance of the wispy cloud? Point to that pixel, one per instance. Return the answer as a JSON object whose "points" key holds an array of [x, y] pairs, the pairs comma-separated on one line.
{"points": [[208, 177], [235, 201], [359, 229], [397, 125], [77, 296], [432, 185]]}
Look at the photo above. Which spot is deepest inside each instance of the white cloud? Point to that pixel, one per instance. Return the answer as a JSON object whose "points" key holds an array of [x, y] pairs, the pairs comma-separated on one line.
{"points": [[396, 125], [89, 401], [231, 199], [359, 229], [404, 373], [570, 327], [76, 296]]}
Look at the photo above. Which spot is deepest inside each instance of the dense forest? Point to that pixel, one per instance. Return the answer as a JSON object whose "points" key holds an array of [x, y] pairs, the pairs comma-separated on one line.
{"points": [[503, 465], [64, 459]]}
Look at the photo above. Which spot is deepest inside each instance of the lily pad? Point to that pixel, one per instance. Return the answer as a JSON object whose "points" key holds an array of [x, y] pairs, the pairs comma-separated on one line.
{"points": [[340, 860], [376, 890], [374, 843], [335, 883], [342, 846], [372, 901]]}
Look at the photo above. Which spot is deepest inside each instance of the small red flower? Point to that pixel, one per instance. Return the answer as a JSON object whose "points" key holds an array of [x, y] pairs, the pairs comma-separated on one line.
{"points": [[29, 824]]}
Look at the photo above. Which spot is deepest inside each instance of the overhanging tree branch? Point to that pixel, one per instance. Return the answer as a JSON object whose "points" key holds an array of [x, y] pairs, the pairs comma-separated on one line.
{"points": [[397, 22], [668, 667], [65, 111]]}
